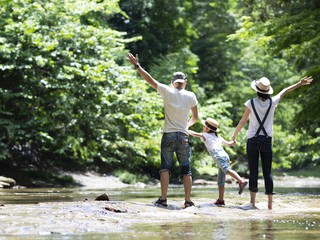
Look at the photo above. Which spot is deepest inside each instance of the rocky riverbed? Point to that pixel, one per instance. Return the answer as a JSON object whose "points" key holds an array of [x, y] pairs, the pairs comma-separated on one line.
{"points": [[123, 218], [130, 213]]}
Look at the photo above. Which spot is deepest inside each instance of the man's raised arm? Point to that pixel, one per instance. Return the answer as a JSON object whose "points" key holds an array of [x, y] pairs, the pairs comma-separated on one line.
{"points": [[134, 60]]}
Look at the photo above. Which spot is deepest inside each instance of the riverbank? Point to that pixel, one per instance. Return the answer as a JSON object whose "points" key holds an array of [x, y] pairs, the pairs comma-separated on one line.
{"points": [[94, 180]]}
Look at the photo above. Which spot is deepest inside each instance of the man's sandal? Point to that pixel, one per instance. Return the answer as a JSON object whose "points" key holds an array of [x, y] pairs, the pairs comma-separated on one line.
{"points": [[188, 204], [161, 202], [219, 202]]}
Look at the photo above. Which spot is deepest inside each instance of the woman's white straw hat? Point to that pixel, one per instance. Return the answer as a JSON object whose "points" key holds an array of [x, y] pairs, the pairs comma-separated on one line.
{"points": [[262, 85], [211, 124]]}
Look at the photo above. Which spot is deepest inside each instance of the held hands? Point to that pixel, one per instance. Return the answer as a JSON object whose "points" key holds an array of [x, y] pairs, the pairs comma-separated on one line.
{"points": [[134, 60], [306, 81], [233, 141]]}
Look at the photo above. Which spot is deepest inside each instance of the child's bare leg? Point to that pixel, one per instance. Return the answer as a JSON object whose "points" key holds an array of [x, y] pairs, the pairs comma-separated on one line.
{"points": [[235, 175], [242, 182]]}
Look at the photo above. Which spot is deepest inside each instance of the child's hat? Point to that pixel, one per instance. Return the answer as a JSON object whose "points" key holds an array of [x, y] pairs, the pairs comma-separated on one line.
{"points": [[212, 124], [262, 85]]}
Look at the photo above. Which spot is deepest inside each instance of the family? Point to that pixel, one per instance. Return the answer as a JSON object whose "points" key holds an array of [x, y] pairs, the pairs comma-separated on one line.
{"points": [[178, 103]]}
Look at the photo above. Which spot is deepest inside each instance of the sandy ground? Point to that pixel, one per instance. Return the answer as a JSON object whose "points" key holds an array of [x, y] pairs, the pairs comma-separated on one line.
{"points": [[93, 180]]}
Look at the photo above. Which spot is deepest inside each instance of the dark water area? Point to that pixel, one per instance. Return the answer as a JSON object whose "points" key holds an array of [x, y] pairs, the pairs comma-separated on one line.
{"points": [[73, 213]]}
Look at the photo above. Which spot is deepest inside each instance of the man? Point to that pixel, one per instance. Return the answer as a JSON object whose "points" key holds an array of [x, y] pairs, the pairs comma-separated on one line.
{"points": [[177, 105]]}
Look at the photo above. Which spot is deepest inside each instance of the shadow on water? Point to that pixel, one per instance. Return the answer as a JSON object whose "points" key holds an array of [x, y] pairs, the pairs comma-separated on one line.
{"points": [[72, 213]]}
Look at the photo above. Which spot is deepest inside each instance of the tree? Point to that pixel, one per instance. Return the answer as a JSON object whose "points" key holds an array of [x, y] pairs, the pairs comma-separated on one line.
{"points": [[164, 26], [67, 98], [213, 22]]}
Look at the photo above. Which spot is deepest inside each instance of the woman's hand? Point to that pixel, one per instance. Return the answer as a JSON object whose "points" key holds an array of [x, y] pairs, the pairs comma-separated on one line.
{"points": [[306, 80]]}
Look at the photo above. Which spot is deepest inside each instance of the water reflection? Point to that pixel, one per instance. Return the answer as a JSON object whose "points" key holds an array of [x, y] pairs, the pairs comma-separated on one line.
{"points": [[262, 230]]}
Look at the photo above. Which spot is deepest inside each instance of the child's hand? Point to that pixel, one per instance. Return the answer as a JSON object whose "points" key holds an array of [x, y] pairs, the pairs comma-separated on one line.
{"points": [[233, 143]]}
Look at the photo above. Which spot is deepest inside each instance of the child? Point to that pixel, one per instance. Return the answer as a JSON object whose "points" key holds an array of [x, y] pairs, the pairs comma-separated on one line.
{"points": [[213, 142]]}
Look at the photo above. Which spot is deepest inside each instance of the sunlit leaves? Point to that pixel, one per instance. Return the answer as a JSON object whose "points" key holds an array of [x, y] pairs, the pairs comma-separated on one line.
{"points": [[66, 95]]}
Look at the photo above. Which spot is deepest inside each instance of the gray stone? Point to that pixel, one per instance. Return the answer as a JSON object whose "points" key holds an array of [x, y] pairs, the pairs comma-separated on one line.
{"points": [[6, 182]]}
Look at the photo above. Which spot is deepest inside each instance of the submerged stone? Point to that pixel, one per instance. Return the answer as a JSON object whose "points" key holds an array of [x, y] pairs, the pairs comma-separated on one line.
{"points": [[102, 197]]}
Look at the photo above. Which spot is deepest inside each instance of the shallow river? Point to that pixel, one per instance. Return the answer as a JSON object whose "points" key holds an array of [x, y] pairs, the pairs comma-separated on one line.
{"points": [[73, 213]]}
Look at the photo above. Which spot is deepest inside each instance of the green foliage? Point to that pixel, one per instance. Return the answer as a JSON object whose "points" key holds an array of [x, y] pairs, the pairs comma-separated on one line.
{"points": [[280, 41], [68, 97], [183, 61], [64, 96], [131, 178], [213, 23], [288, 31], [164, 26]]}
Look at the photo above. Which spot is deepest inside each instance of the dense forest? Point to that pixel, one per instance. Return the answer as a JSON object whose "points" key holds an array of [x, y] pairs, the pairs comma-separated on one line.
{"points": [[70, 101]]}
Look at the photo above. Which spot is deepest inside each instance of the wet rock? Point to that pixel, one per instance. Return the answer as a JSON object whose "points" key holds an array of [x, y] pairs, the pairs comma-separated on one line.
{"points": [[6, 182], [116, 210], [102, 197]]}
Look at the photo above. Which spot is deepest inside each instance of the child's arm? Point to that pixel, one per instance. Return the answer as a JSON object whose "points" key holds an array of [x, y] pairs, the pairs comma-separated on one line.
{"points": [[196, 134], [228, 143]]}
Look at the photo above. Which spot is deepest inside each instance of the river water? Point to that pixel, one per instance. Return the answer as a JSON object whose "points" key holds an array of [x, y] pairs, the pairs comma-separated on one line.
{"points": [[73, 213]]}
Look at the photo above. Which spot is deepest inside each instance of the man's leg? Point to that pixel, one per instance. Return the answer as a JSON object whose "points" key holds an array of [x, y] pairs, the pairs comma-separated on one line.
{"points": [[187, 184], [164, 181], [167, 149], [183, 153]]}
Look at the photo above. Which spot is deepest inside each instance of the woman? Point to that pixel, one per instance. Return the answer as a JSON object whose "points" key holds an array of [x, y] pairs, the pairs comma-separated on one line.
{"points": [[260, 111]]}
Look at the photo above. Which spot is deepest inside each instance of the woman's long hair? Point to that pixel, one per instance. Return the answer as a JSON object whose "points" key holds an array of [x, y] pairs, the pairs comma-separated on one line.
{"points": [[264, 96]]}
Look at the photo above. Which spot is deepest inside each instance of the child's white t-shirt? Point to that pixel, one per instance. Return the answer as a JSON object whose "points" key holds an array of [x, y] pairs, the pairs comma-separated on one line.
{"points": [[213, 144]]}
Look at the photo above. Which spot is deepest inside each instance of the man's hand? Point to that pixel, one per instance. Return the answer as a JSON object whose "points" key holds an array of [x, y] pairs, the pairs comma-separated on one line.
{"points": [[134, 60]]}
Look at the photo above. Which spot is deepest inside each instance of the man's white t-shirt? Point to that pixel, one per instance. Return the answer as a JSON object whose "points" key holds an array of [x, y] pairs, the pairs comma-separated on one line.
{"points": [[177, 107], [261, 108]]}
